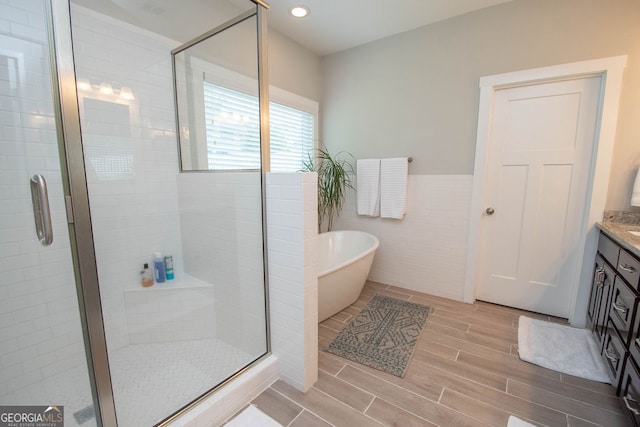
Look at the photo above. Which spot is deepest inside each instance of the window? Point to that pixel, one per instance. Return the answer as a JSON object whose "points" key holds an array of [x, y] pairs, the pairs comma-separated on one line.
{"points": [[233, 131]]}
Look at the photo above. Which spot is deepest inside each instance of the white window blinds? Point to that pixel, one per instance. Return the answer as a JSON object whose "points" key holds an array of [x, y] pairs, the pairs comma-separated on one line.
{"points": [[233, 132]]}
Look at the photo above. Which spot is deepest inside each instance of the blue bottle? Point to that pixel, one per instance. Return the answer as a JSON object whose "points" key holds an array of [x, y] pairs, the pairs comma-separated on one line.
{"points": [[158, 267]]}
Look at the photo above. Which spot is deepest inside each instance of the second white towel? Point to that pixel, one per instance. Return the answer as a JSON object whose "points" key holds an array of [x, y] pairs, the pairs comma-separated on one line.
{"points": [[393, 187]]}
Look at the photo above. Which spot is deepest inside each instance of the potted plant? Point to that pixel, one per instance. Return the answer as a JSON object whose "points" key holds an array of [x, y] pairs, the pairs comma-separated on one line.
{"points": [[334, 177]]}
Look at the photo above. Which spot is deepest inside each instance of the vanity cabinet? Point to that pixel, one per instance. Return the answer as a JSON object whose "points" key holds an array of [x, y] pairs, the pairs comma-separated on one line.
{"points": [[614, 318]]}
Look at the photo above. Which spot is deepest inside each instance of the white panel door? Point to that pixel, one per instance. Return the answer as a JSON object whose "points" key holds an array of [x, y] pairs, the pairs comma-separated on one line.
{"points": [[539, 159]]}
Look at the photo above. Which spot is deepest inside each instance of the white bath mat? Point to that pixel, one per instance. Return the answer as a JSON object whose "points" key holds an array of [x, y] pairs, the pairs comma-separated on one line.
{"points": [[517, 422], [253, 417], [562, 348]]}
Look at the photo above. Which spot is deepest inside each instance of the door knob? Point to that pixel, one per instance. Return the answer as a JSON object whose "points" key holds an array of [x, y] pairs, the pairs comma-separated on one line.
{"points": [[490, 211]]}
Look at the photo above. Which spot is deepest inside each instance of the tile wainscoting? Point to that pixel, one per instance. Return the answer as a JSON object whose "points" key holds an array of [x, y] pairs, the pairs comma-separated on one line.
{"points": [[427, 250], [293, 275]]}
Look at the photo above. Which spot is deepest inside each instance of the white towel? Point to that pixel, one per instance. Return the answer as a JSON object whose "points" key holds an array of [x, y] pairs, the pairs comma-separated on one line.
{"points": [[368, 187], [393, 187], [635, 195]]}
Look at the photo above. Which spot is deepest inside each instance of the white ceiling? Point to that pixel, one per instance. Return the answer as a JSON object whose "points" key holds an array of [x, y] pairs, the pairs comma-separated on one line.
{"points": [[335, 25], [332, 25]]}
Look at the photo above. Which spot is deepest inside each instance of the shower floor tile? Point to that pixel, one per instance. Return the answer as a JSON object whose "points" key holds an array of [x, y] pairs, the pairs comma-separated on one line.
{"points": [[151, 381], [68, 388]]}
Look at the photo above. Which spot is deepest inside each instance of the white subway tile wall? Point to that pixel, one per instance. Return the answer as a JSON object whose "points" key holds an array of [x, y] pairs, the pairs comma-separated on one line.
{"points": [[221, 223], [427, 250], [41, 345], [130, 155], [293, 278]]}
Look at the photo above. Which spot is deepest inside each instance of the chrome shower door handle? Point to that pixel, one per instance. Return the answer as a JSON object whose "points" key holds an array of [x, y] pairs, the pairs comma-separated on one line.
{"points": [[41, 211]]}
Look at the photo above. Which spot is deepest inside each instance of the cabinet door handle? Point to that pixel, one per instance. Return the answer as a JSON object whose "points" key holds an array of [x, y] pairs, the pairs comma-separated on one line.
{"points": [[608, 355], [600, 277], [619, 308], [626, 267], [626, 400]]}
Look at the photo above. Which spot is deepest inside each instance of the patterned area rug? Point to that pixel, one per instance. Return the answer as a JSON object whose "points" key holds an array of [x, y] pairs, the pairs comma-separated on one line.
{"points": [[383, 335]]}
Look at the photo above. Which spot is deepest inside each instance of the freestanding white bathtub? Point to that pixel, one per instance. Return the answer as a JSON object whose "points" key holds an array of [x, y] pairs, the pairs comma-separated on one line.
{"points": [[344, 261]]}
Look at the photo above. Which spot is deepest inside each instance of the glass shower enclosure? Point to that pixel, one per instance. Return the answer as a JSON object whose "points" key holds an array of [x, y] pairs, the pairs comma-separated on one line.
{"points": [[89, 126]]}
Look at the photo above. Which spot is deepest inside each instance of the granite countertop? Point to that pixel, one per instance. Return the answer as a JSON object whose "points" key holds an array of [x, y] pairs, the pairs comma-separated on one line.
{"points": [[617, 225]]}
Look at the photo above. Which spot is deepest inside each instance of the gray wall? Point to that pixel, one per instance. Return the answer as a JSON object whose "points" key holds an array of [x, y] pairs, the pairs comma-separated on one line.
{"points": [[416, 93], [293, 68]]}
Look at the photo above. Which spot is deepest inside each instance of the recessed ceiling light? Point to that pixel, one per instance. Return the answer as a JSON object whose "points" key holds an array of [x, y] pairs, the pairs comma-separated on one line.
{"points": [[299, 11]]}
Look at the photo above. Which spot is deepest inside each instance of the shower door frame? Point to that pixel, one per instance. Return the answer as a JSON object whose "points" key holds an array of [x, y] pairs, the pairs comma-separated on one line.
{"points": [[77, 204], [265, 163], [78, 210]]}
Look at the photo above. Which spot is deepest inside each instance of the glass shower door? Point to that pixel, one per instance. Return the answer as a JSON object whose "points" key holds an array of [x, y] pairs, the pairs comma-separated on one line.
{"points": [[42, 353]]}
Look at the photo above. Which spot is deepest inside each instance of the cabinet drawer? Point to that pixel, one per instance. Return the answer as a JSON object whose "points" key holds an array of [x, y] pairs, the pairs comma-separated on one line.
{"points": [[629, 268], [608, 249], [623, 306], [614, 354], [630, 392]]}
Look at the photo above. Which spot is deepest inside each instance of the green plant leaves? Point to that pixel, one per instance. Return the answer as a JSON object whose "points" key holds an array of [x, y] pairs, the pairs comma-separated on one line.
{"points": [[334, 177]]}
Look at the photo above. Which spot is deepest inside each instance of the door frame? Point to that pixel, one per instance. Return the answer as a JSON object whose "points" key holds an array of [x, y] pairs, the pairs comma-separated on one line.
{"points": [[610, 70]]}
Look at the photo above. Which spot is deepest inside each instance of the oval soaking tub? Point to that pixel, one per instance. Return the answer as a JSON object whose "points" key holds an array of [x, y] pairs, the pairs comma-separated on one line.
{"points": [[344, 261]]}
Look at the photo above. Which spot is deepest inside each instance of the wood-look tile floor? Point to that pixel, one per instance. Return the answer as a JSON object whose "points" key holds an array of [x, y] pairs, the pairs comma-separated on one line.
{"points": [[465, 372]]}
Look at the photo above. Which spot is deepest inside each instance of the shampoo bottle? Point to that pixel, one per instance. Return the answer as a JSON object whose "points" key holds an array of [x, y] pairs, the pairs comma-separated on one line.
{"points": [[147, 277], [158, 267]]}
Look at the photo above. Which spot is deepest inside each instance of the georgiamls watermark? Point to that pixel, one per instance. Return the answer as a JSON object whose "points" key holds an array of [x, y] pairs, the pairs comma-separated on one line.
{"points": [[31, 416]]}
